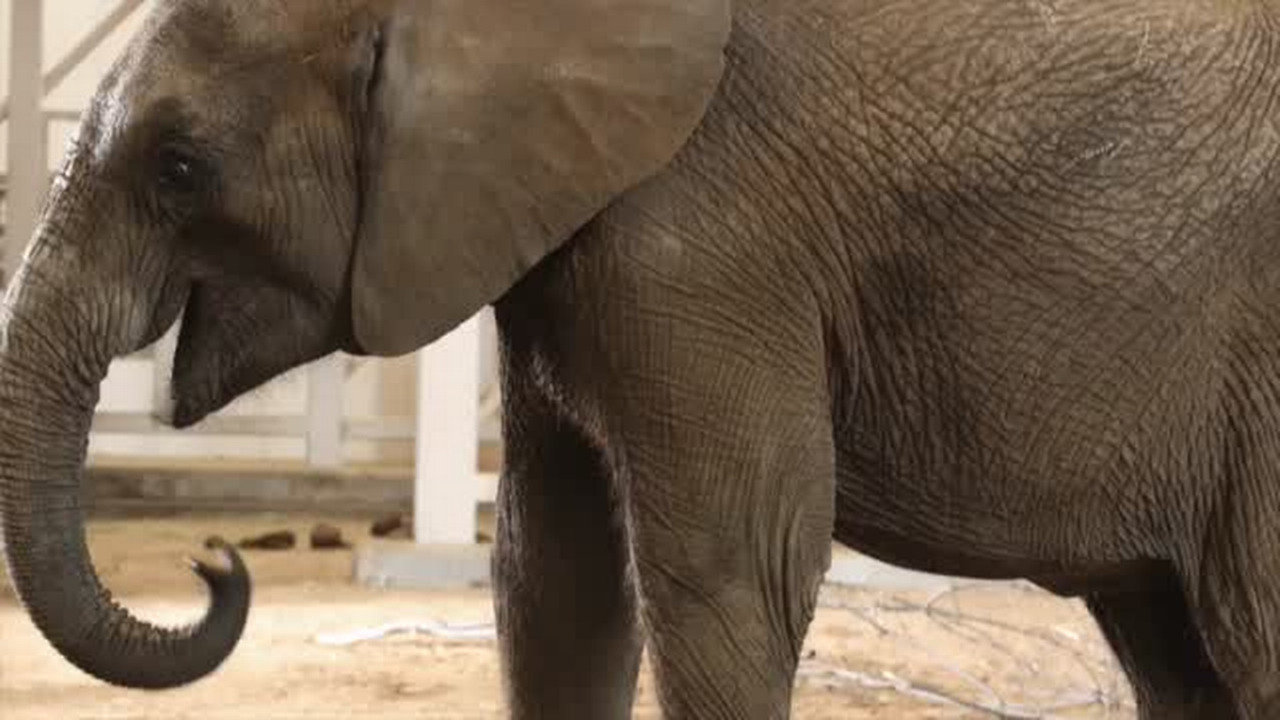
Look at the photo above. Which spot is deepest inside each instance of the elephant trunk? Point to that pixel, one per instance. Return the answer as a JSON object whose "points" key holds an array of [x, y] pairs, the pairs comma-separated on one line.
{"points": [[53, 356]]}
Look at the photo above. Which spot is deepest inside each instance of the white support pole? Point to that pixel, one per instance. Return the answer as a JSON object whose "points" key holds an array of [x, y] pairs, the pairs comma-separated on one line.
{"points": [[324, 413], [28, 166], [446, 489]]}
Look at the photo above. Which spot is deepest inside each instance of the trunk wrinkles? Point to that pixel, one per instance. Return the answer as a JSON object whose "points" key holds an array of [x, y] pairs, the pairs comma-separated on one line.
{"points": [[49, 376]]}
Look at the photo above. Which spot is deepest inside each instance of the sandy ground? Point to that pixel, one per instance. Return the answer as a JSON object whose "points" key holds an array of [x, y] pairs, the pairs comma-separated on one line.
{"points": [[870, 654]]}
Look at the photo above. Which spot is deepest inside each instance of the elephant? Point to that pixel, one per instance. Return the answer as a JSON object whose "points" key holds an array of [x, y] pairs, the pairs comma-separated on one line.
{"points": [[985, 288]]}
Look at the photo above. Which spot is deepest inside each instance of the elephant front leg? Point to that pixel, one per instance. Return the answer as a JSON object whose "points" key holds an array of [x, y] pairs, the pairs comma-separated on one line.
{"points": [[565, 609], [730, 491]]}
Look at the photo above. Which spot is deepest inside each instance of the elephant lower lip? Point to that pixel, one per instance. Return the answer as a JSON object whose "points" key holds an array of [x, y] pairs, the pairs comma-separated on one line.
{"points": [[184, 407], [183, 418], [185, 399]]}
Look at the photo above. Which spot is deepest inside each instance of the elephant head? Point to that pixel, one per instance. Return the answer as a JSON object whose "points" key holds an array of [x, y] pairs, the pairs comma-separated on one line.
{"points": [[296, 178]]}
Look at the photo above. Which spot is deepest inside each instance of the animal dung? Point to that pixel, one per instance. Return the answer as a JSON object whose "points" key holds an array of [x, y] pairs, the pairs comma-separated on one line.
{"points": [[397, 525], [327, 537], [278, 540]]}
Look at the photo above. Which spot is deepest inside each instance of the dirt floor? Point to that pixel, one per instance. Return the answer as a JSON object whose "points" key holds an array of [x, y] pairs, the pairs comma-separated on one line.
{"points": [[973, 652]]}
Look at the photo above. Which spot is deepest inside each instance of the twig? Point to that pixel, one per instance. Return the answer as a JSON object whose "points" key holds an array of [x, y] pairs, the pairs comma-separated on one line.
{"points": [[933, 694], [971, 628], [958, 616], [858, 612], [951, 668], [475, 632]]}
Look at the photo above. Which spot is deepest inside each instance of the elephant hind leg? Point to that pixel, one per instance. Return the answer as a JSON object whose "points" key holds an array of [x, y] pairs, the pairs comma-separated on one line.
{"points": [[1155, 639]]}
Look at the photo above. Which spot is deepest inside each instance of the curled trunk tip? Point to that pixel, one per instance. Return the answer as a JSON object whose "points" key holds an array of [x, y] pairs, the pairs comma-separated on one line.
{"points": [[195, 651], [112, 645]]}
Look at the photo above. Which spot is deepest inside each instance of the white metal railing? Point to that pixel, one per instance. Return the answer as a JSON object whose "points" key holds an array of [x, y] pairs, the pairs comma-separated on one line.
{"points": [[450, 407]]}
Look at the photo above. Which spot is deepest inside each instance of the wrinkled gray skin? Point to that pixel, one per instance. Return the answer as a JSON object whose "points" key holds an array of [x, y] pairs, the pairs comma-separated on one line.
{"points": [[986, 288]]}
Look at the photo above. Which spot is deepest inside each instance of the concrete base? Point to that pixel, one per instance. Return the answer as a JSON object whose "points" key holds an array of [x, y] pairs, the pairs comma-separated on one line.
{"points": [[401, 564], [122, 485]]}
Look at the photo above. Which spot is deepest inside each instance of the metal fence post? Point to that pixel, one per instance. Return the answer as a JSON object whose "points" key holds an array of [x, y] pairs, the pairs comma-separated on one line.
{"points": [[324, 412], [446, 488], [28, 164]]}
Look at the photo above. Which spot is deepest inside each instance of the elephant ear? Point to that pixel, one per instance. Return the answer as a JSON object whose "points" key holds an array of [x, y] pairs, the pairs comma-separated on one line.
{"points": [[497, 128]]}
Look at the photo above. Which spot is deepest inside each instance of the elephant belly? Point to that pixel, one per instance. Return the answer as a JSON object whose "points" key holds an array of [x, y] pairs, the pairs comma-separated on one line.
{"points": [[906, 539], [961, 532]]}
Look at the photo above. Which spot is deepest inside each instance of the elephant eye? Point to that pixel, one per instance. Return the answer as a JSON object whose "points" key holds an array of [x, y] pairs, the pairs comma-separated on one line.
{"points": [[178, 171]]}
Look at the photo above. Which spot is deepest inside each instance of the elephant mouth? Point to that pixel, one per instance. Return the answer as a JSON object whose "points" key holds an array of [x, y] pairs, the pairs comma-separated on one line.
{"points": [[179, 401], [230, 338], [190, 368]]}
